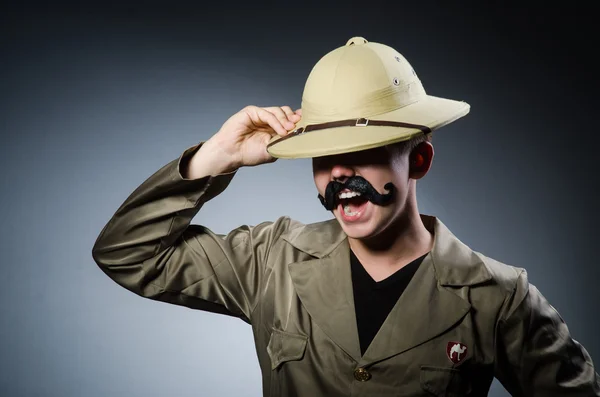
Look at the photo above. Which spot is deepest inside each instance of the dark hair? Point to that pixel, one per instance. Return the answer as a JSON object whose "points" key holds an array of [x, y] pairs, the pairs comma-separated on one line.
{"points": [[407, 146]]}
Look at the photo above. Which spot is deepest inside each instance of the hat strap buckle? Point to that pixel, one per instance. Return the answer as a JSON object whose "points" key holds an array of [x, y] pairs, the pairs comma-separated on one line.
{"points": [[361, 122]]}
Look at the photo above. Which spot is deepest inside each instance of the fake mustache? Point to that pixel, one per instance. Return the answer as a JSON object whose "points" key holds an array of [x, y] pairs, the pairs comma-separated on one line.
{"points": [[356, 184]]}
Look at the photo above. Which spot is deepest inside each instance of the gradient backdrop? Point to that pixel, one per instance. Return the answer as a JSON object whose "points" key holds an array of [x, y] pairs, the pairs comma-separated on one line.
{"points": [[96, 97]]}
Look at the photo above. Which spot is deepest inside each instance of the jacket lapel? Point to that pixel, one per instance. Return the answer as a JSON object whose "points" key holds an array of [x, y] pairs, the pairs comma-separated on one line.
{"points": [[423, 311], [324, 285], [428, 307]]}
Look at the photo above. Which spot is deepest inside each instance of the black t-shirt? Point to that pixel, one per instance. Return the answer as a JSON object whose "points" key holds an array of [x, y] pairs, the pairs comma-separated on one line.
{"points": [[374, 300]]}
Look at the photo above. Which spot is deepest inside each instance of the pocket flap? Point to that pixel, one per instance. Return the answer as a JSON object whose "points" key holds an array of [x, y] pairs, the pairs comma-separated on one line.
{"points": [[284, 346], [441, 381]]}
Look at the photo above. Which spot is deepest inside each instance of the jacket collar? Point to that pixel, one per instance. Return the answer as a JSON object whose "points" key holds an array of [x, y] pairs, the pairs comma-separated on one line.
{"points": [[425, 309], [454, 262]]}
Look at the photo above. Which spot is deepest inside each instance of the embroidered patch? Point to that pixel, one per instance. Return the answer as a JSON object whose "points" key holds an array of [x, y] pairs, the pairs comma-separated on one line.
{"points": [[456, 351]]}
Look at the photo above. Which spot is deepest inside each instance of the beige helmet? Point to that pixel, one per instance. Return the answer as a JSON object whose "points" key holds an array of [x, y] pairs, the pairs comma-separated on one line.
{"points": [[361, 96]]}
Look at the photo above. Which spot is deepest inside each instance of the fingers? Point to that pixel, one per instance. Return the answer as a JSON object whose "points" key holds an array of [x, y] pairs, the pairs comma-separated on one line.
{"points": [[281, 119], [287, 110], [293, 116], [263, 117], [284, 114]]}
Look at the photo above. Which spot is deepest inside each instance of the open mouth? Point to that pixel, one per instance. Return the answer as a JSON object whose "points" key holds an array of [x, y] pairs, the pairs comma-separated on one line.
{"points": [[352, 203]]}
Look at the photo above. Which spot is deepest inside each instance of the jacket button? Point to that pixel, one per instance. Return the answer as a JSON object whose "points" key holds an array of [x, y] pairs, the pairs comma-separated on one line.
{"points": [[362, 375]]}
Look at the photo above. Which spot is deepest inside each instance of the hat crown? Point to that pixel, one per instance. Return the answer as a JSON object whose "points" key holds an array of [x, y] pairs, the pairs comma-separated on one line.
{"points": [[360, 79]]}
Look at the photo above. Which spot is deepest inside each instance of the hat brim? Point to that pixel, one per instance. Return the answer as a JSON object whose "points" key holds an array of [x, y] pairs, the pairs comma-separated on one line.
{"points": [[431, 111]]}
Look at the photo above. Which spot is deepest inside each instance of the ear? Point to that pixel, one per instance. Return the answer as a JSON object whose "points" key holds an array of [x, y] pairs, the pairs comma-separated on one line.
{"points": [[420, 160]]}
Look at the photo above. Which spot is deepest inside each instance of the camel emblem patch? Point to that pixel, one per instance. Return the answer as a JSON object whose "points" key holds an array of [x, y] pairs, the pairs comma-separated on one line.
{"points": [[456, 351]]}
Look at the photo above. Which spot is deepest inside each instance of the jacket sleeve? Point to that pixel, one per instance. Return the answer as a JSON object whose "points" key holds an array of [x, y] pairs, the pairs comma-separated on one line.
{"points": [[150, 248], [536, 355]]}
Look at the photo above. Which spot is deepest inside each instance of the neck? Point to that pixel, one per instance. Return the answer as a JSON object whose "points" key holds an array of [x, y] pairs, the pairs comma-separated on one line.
{"points": [[403, 241]]}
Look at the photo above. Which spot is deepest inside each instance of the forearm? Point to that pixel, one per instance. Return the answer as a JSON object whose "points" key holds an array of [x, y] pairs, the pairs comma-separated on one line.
{"points": [[157, 212], [209, 160]]}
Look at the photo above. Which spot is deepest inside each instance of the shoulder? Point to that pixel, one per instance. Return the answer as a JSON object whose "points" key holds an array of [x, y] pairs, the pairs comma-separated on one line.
{"points": [[505, 287], [272, 231], [457, 264], [492, 284], [507, 277], [317, 239], [265, 233]]}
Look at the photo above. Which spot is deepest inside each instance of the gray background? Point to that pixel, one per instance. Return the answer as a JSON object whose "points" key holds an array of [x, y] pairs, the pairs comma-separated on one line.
{"points": [[98, 96]]}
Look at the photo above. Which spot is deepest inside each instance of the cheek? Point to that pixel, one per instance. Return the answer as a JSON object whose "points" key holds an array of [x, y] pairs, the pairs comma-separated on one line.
{"points": [[321, 179], [400, 181], [400, 174], [399, 165], [379, 180]]}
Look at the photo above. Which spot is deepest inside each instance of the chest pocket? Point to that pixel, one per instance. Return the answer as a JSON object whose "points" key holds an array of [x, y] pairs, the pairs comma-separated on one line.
{"points": [[285, 346], [447, 382]]}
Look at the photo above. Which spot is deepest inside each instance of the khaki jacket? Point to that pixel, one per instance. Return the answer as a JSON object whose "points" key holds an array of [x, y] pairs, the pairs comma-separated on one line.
{"points": [[292, 283]]}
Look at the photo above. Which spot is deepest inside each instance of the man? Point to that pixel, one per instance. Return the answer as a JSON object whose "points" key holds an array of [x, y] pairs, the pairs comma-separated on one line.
{"points": [[380, 300]]}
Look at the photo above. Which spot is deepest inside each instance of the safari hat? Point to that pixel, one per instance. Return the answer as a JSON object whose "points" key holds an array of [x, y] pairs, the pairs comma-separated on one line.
{"points": [[361, 96]]}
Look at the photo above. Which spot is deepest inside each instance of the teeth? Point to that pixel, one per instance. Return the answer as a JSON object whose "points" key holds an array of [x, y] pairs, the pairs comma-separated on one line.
{"points": [[348, 212], [348, 195]]}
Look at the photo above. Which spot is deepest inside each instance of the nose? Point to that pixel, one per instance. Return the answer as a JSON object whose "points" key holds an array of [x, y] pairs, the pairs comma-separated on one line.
{"points": [[341, 172]]}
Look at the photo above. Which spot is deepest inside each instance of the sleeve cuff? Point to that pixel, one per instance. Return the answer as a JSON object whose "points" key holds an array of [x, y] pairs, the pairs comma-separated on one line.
{"points": [[206, 187]]}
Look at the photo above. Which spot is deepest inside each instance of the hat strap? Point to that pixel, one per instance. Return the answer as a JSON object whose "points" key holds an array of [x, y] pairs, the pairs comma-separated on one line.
{"points": [[360, 122]]}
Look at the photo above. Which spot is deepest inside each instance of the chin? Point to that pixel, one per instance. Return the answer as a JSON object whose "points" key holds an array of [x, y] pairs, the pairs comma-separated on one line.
{"points": [[358, 234], [359, 230]]}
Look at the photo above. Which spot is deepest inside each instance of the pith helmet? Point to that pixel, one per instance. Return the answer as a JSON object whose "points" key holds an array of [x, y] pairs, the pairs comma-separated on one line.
{"points": [[361, 96]]}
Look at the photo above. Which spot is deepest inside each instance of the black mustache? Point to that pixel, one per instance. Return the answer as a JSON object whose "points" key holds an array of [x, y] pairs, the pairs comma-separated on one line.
{"points": [[356, 184]]}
